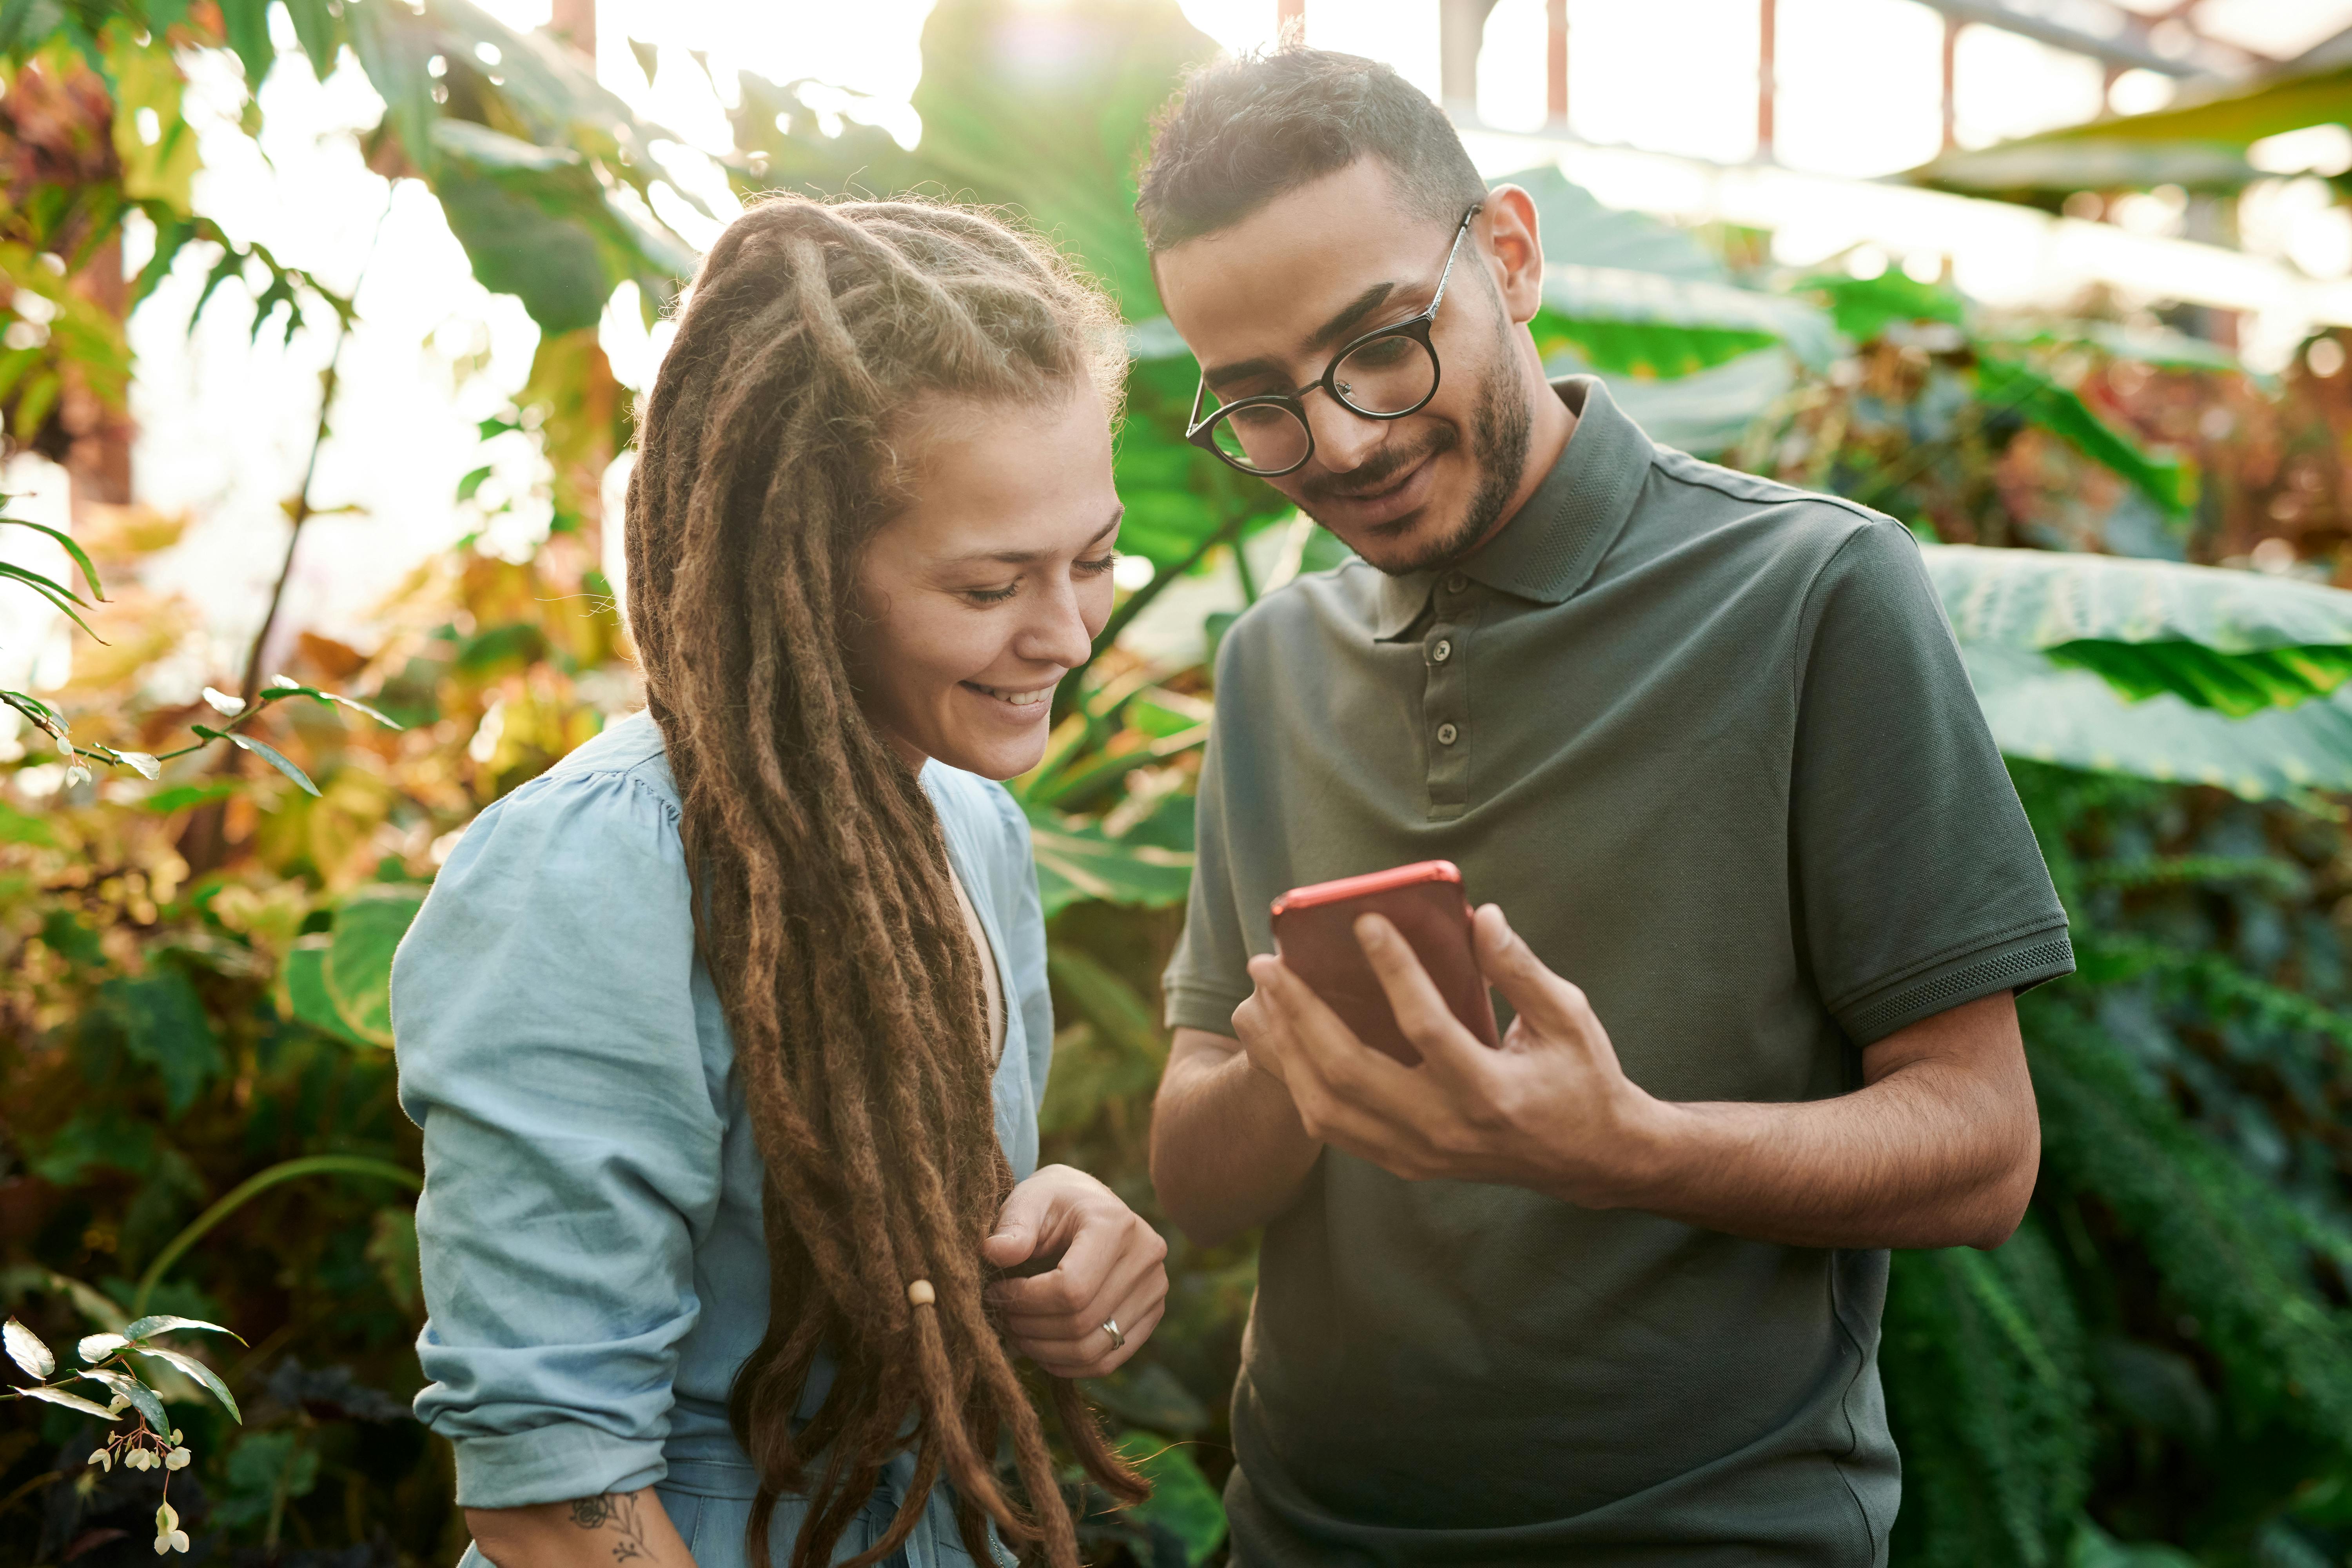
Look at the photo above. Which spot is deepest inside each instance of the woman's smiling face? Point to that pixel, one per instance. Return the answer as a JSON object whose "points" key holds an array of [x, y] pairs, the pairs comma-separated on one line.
{"points": [[981, 594]]}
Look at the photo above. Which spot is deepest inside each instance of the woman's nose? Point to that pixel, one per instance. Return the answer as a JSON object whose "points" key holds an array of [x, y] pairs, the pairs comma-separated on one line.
{"points": [[1058, 633]]}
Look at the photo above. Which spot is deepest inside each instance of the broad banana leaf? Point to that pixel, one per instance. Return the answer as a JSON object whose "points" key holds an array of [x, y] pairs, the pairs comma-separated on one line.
{"points": [[1645, 324], [2197, 145], [1706, 411], [1577, 230], [2153, 668]]}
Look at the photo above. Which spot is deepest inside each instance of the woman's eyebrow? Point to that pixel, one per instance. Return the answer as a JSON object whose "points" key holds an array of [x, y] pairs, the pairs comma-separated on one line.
{"points": [[1027, 557]]}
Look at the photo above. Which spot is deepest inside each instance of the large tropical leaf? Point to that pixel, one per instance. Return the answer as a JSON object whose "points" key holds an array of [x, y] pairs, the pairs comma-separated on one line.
{"points": [[2198, 144], [1646, 324], [2154, 669], [1576, 229], [2166, 478], [1078, 860]]}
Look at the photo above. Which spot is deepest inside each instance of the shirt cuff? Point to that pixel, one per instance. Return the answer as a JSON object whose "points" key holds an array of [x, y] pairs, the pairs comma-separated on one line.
{"points": [[1202, 1007], [552, 1464], [2016, 963]]}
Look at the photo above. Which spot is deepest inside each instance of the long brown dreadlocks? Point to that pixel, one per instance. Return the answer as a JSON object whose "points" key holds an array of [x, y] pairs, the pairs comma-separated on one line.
{"points": [[824, 908]]}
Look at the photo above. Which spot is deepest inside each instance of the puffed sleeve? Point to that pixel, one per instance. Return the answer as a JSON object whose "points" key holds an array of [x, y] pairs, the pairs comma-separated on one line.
{"points": [[547, 1047]]}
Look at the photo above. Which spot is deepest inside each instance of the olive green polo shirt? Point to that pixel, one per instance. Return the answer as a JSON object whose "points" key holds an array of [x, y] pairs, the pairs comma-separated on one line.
{"points": [[1708, 742]]}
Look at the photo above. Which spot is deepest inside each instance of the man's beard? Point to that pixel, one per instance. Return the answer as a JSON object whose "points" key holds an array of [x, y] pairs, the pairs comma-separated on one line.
{"points": [[1500, 428]]}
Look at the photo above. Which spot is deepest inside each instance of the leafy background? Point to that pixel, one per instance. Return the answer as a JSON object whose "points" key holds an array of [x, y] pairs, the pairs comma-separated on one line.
{"points": [[197, 1097]]}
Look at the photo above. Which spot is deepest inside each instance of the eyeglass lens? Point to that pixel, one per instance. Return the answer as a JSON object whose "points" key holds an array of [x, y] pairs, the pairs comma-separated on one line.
{"points": [[1387, 375]]}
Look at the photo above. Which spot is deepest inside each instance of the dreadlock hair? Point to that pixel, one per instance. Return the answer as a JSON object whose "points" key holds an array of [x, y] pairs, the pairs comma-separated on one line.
{"points": [[769, 456]]}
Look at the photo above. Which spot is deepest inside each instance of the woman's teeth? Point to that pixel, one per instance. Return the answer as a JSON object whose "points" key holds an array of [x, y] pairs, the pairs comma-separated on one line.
{"points": [[1018, 698]]}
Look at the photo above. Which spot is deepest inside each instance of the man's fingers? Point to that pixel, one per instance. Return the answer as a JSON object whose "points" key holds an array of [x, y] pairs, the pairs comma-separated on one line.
{"points": [[1421, 1011], [1511, 966]]}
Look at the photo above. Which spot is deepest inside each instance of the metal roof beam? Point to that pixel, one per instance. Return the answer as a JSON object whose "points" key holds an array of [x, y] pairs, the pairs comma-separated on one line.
{"points": [[2127, 51]]}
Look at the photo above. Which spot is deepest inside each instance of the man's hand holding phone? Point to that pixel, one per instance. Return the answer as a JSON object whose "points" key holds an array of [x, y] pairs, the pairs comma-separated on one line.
{"points": [[1551, 1111]]}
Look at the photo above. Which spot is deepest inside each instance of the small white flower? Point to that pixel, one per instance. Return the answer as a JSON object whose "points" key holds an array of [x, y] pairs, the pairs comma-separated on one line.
{"points": [[177, 1459], [137, 1459], [101, 1458], [118, 1404], [169, 1536], [175, 1434]]}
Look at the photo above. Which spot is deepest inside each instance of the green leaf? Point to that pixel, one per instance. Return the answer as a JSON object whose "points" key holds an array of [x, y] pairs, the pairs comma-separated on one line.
{"points": [[1641, 324], [1864, 307], [472, 482], [518, 248], [1118, 1011], [25, 1349], [315, 29], [2167, 479], [200, 1372], [368, 929], [392, 1247], [1576, 229], [143, 1398], [154, 1324], [165, 1025], [271, 755], [246, 22], [494, 150], [1181, 1501], [304, 975], [89, 573], [1078, 861], [70, 1400], [2154, 668], [2236, 684], [648, 56], [393, 49]]}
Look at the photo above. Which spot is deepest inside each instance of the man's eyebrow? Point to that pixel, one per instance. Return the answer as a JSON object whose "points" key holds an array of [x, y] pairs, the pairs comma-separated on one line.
{"points": [[1029, 557], [1330, 332]]}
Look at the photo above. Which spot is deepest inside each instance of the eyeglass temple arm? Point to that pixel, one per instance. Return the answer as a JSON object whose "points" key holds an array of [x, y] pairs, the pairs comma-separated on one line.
{"points": [[1451, 255]]}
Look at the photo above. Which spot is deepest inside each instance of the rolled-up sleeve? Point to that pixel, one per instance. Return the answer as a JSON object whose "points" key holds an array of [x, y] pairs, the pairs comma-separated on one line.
{"points": [[545, 1030]]}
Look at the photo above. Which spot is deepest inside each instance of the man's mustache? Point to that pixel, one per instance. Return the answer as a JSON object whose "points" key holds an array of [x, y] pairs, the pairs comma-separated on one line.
{"points": [[1380, 471]]}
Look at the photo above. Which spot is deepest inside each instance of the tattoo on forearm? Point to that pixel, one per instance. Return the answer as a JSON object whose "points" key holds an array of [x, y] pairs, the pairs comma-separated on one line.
{"points": [[621, 1513]]}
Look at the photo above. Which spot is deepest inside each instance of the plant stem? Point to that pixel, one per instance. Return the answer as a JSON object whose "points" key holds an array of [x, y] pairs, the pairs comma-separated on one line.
{"points": [[298, 507], [286, 1171]]}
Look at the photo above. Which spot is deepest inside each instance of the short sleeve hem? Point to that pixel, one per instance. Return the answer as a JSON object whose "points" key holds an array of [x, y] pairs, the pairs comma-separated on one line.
{"points": [[552, 1464], [2014, 964], [1199, 1007]]}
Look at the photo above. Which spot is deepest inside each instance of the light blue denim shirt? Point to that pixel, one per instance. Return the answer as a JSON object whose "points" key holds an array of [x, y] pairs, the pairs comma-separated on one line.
{"points": [[595, 1267]]}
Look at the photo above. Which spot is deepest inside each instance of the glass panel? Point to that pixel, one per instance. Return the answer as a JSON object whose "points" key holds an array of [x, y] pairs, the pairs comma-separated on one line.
{"points": [[1266, 437], [1387, 375]]}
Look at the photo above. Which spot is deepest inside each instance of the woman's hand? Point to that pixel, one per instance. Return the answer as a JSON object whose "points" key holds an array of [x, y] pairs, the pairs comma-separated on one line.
{"points": [[1106, 1269]]}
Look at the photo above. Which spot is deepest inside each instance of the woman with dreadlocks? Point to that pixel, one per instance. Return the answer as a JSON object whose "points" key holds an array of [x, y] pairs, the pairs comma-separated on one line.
{"points": [[727, 1035]]}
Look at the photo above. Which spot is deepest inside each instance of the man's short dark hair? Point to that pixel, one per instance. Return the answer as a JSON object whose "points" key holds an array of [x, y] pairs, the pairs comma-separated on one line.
{"points": [[1246, 130]]}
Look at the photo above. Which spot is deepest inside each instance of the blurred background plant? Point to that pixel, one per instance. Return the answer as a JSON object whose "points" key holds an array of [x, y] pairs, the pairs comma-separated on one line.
{"points": [[197, 1091]]}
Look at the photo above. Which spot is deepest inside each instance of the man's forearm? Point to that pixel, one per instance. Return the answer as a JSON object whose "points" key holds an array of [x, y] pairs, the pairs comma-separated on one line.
{"points": [[1879, 1167], [621, 1528], [1227, 1151]]}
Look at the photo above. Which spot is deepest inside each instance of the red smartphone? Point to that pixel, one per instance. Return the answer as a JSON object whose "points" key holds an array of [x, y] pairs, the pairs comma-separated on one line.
{"points": [[1315, 934]]}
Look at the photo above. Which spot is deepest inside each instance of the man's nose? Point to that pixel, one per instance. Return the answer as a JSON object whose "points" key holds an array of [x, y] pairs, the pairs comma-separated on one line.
{"points": [[1343, 439]]}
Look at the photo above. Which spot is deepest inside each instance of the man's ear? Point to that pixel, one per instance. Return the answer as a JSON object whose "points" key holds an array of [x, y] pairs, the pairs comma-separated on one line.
{"points": [[1514, 249]]}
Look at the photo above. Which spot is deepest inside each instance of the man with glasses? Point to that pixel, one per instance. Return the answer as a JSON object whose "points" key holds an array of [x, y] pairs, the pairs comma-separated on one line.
{"points": [[1612, 1293]]}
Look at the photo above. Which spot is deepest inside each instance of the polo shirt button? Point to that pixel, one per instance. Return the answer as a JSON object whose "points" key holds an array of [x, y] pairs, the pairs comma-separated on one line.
{"points": [[1447, 734], [1441, 652], [1456, 583]]}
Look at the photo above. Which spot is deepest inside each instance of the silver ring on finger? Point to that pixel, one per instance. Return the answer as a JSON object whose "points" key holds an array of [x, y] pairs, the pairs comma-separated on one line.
{"points": [[1117, 1340]]}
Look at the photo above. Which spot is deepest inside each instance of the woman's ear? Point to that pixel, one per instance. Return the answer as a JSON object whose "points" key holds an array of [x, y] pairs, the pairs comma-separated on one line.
{"points": [[1514, 249]]}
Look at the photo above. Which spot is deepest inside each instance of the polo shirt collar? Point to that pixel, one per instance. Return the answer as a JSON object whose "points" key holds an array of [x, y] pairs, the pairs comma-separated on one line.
{"points": [[1551, 545]]}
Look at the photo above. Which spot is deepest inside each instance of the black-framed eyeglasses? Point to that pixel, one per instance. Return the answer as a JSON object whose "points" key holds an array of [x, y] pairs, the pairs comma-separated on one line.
{"points": [[1384, 374]]}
